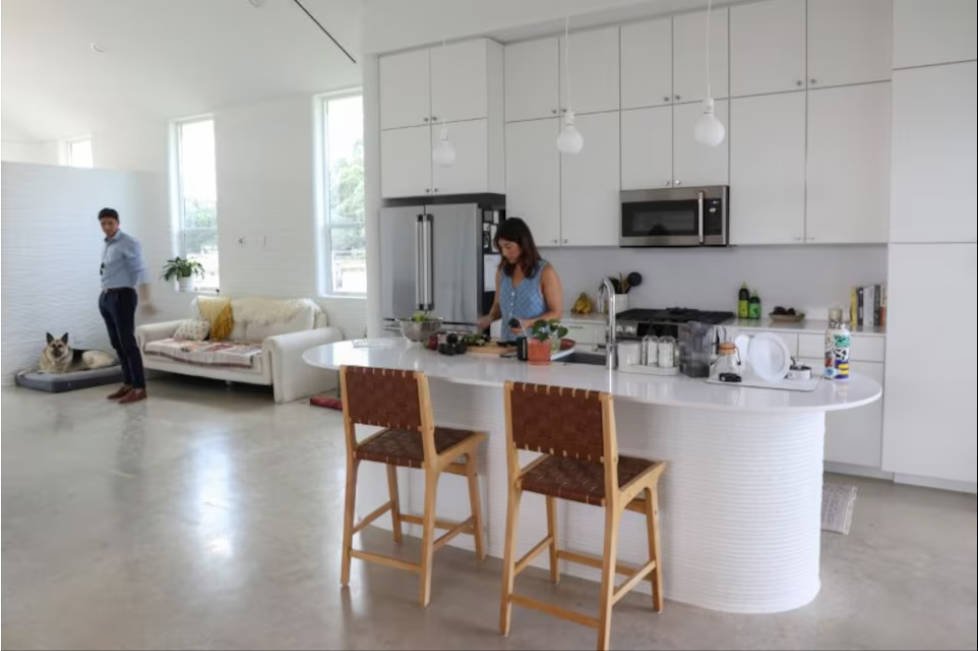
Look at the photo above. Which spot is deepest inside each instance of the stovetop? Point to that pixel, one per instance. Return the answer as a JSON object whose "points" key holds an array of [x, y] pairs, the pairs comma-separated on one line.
{"points": [[673, 315]]}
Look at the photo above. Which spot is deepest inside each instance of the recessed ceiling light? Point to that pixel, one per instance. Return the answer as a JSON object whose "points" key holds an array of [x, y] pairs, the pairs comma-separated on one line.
{"points": [[96, 48]]}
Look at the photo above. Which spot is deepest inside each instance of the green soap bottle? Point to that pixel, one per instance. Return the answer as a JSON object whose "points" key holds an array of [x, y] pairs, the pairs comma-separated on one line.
{"points": [[754, 306], [743, 300]]}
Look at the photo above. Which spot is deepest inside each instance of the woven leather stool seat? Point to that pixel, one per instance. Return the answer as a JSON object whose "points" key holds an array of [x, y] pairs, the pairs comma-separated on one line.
{"points": [[405, 448], [581, 481]]}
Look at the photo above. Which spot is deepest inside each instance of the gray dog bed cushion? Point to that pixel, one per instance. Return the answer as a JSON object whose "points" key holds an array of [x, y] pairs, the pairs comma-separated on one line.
{"points": [[58, 382]]}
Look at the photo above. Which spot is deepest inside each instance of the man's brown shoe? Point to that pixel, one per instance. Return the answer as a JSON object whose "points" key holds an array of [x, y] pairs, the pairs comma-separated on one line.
{"points": [[133, 396], [118, 393]]}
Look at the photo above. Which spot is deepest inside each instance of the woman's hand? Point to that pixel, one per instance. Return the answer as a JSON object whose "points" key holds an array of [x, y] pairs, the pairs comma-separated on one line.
{"points": [[484, 321]]}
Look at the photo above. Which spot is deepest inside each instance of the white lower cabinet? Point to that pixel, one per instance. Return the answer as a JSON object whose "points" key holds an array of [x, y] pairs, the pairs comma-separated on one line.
{"points": [[584, 332]]}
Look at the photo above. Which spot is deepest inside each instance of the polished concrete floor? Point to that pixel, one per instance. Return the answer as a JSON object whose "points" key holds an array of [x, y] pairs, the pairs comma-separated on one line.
{"points": [[209, 517]]}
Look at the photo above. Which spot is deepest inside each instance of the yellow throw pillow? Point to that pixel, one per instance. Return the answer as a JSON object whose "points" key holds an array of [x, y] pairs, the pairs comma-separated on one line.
{"points": [[217, 310]]}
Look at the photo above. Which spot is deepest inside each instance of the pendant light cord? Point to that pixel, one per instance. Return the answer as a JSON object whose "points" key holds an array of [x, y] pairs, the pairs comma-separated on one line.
{"points": [[709, 10], [567, 94], [325, 31]]}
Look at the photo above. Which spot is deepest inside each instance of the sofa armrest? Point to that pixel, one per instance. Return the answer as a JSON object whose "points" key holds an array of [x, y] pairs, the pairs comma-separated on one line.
{"points": [[292, 378], [154, 331]]}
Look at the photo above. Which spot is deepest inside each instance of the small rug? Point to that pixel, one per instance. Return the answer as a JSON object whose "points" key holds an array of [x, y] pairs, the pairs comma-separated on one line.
{"points": [[838, 501], [326, 401]]}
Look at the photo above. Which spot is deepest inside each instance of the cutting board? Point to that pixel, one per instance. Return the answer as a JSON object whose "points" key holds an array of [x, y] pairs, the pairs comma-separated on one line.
{"points": [[491, 349]]}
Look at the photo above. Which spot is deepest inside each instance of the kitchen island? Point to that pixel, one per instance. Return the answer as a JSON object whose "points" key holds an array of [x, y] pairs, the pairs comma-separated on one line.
{"points": [[740, 501]]}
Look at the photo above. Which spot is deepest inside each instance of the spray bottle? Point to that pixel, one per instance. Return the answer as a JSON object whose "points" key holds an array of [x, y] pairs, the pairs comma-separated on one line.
{"points": [[838, 344]]}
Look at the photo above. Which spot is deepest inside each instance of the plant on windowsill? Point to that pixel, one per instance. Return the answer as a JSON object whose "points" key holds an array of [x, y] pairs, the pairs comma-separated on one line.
{"points": [[183, 271], [544, 339]]}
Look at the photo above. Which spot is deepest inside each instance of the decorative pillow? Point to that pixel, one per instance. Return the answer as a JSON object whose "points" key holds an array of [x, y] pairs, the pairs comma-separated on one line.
{"points": [[192, 329], [217, 311]]}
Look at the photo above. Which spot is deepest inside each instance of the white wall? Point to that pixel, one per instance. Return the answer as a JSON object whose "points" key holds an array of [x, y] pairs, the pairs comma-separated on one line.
{"points": [[45, 153], [52, 248], [808, 278]]}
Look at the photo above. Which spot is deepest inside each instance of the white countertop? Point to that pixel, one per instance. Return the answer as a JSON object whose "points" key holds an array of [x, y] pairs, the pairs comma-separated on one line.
{"points": [[675, 391], [817, 326]]}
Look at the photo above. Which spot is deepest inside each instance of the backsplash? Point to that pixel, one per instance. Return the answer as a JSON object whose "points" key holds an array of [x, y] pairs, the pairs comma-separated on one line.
{"points": [[808, 278]]}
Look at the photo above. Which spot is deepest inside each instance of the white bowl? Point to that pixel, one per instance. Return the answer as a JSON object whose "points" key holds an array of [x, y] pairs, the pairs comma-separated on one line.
{"points": [[420, 330]]}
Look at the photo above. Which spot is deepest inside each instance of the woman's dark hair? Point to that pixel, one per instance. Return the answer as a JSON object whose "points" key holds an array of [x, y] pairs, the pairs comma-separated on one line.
{"points": [[515, 230]]}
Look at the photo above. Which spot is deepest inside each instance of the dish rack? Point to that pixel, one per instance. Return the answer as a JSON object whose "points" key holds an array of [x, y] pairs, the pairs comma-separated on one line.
{"points": [[809, 384], [648, 370]]}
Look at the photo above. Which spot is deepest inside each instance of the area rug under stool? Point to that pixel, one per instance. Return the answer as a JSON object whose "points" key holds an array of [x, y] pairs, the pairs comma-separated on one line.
{"points": [[838, 501], [329, 402]]}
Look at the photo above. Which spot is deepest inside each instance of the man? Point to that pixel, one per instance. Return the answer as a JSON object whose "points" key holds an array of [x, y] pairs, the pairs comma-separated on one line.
{"points": [[123, 270]]}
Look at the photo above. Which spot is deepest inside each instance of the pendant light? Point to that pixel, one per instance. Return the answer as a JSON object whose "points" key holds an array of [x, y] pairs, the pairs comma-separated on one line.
{"points": [[569, 141], [708, 130], [444, 152]]}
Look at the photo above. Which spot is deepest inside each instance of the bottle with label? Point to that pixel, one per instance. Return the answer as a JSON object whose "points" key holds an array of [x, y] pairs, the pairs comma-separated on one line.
{"points": [[838, 344], [754, 306], [743, 299]]}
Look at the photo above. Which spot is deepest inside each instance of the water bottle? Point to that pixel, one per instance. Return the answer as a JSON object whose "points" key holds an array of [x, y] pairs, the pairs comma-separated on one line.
{"points": [[838, 345]]}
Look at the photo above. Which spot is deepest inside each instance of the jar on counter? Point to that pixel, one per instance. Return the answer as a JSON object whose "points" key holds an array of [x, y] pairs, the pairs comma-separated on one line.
{"points": [[727, 361], [650, 352], [666, 351]]}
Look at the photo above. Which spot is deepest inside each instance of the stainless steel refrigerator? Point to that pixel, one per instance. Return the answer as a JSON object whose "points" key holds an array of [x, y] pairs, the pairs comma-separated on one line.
{"points": [[438, 257]]}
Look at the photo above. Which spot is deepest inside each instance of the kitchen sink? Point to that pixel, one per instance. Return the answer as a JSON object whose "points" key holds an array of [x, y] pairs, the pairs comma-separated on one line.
{"points": [[579, 357]]}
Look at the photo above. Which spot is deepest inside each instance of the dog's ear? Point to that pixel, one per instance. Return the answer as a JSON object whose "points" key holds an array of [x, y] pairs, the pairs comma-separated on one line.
{"points": [[50, 337], [64, 337]]}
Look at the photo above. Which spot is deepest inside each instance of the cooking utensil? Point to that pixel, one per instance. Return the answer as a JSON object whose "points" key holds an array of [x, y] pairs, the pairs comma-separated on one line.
{"points": [[634, 279]]}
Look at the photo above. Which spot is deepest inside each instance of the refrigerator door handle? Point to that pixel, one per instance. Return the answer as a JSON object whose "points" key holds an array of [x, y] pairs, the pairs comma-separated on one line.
{"points": [[419, 262], [429, 262]]}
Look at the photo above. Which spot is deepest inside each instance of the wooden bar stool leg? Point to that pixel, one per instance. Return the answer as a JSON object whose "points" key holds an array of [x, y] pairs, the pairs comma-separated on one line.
{"points": [[395, 502], [652, 522], [552, 533], [349, 511], [428, 533], [611, 521], [509, 560], [475, 503]]}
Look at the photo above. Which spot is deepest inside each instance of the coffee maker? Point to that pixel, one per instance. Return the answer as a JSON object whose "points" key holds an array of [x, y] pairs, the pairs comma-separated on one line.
{"points": [[696, 348]]}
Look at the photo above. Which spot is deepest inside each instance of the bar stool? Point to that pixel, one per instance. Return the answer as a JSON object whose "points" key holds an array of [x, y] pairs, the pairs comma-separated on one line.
{"points": [[400, 402], [575, 432]]}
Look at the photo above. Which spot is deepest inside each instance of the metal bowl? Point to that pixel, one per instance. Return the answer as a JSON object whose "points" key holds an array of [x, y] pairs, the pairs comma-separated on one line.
{"points": [[420, 330]]}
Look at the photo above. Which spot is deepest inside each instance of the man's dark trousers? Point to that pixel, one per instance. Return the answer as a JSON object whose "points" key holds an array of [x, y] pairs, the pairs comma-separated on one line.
{"points": [[118, 308]]}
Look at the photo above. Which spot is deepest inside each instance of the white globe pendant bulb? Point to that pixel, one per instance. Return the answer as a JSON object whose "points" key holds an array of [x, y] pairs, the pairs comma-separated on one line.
{"points": [[569, 141], [708, 130], [444, 152]]}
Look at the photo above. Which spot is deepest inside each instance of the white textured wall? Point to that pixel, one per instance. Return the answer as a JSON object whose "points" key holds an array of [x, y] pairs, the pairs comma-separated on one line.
{"points": [[45, 153], [52, 248]]}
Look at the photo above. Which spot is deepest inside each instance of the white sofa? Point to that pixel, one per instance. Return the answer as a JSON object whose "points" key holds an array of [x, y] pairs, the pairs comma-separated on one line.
{"points": [[269, 338]]}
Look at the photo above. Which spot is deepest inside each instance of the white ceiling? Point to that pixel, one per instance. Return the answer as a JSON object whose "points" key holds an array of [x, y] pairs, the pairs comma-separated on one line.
{"points": [[163, 59]]}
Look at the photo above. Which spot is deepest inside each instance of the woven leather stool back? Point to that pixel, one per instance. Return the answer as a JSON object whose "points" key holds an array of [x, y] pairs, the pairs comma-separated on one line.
{"points": [[557, 420], [382, 397]]}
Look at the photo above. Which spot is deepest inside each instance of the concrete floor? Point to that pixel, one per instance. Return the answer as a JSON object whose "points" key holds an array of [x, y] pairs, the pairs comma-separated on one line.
{"points": [[209, 517]]}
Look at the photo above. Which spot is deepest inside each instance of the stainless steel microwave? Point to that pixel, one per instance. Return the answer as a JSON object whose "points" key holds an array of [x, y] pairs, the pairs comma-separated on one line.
{"points": [[694, 216]]}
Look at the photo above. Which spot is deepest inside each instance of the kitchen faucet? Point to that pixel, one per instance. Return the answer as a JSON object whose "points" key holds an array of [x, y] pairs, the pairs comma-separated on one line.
{"points": [[611, 336]]}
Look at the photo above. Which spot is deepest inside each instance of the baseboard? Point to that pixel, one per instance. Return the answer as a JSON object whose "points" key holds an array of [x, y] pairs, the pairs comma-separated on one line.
{"points": [[934, 482], [858, 471]]}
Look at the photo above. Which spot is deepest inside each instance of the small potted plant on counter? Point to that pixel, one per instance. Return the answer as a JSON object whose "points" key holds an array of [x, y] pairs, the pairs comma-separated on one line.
{"points": [[544, 339], [183, 270]]}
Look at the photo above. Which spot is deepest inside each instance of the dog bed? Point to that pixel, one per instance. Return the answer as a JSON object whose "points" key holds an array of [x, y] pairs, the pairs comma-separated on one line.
{"points": [[58, 382]]}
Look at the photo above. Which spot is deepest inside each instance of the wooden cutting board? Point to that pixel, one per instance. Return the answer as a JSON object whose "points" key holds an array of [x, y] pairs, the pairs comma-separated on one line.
{"points": [[491, 349]]}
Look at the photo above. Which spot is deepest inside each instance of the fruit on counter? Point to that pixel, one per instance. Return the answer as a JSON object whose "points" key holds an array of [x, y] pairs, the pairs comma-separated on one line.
{"points": [[583, 304], [474, 339], [790, 311]]}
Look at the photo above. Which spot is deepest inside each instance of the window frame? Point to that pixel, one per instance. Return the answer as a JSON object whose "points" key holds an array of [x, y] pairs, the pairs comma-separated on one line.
{"points": [[179, 240], [69, 145], [325, 223]]}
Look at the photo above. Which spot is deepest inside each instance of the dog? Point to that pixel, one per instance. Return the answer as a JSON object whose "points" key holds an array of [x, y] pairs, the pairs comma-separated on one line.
{"points": [[59, 357]]}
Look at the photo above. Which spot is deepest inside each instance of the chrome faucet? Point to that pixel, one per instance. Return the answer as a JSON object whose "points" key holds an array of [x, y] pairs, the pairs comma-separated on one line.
{"points": [[611, 327]]}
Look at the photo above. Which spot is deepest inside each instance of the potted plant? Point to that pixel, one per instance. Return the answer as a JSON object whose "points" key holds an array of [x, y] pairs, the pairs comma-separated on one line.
{"points": [[183, 270], [544, 338]]}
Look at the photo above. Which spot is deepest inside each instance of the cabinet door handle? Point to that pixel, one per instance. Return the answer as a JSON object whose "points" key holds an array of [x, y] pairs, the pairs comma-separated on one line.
{"points": [[425, 119], [434, 189], [554, 111], [677, 182], [799, 82], [813, 80], [565, 240], [678, 98], [797, 238], [665, 99], [668, 181], [427, 190], [434, 118], [553, 242]]}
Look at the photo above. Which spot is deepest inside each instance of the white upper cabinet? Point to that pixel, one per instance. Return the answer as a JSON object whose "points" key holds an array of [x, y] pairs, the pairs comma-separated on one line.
{"points": [[590, 184], [646, 64], [459, 81], [646, 148], [404, 89], [694, 163], [848, 164], [405, 162], [470, 172], [532, 70], [767, 47], [689, 55], [849, 42], [767, 169], [933, 166], [926, 32], [593, 71], [533, 177]]}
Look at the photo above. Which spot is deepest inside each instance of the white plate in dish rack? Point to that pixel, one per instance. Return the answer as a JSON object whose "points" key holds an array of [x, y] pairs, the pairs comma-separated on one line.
{"points": [[787, 385], [768, 357]]}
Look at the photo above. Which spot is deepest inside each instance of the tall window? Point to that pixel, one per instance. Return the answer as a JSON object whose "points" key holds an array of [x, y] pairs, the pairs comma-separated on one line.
{"points": [[345, 241], [79, 152], [197, 197]]}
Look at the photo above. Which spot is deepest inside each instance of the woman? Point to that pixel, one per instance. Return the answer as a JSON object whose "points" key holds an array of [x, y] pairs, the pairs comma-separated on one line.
{"points": [[527, 287]]}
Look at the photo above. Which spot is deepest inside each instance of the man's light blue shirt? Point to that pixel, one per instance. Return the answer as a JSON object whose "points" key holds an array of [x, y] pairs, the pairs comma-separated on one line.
{"points": [[122, 262]]}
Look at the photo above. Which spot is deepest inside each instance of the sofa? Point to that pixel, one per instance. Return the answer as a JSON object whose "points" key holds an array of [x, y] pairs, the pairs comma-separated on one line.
{"points": [[265, 346]]}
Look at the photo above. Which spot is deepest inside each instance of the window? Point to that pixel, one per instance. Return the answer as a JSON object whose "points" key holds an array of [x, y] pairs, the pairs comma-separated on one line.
{"points": [[79, 152], [344, 238], [197, 198]]}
